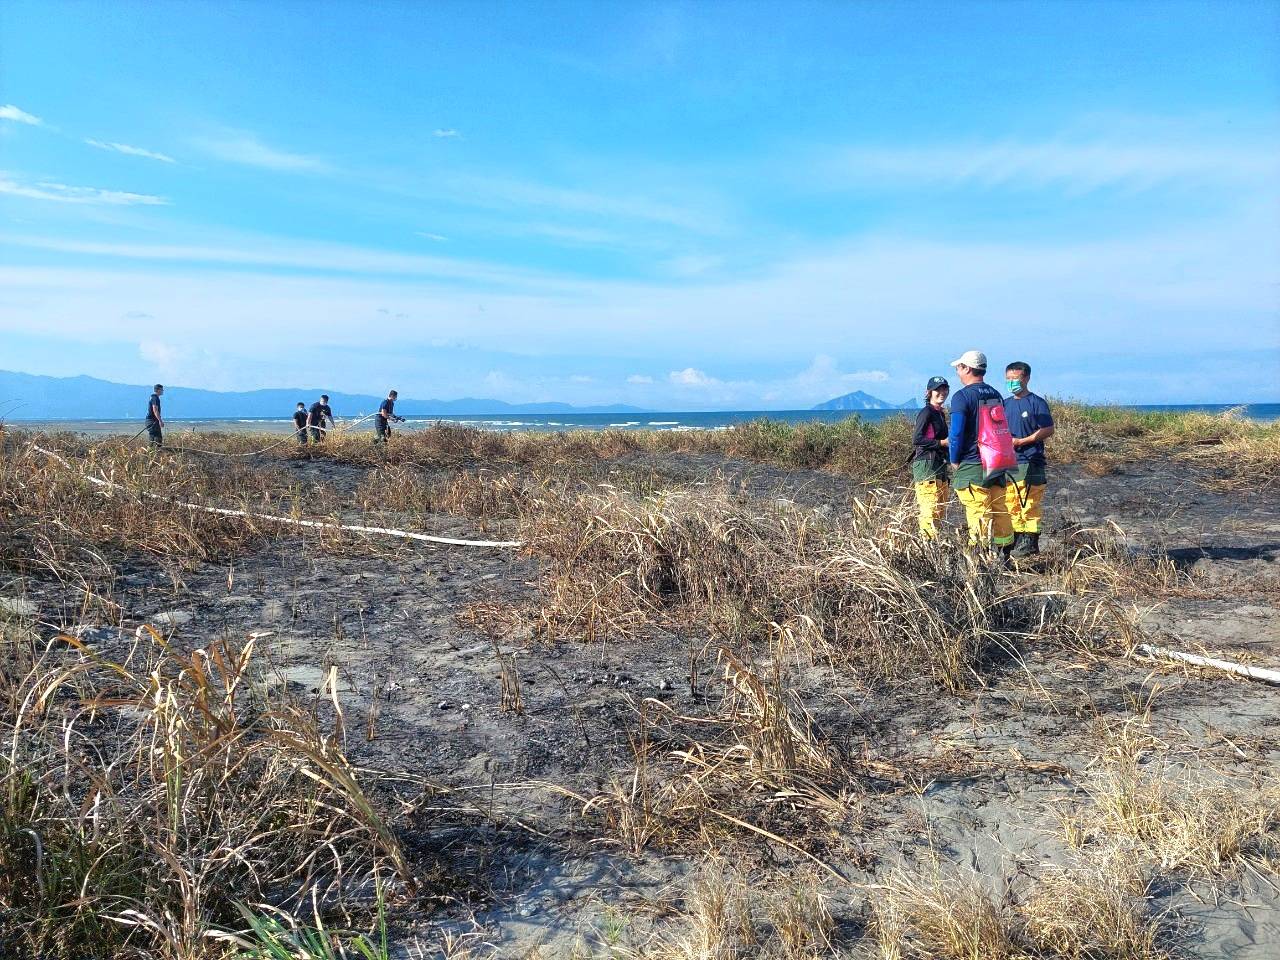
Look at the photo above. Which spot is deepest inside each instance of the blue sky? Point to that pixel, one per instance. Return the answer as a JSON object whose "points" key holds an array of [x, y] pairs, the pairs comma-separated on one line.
{"points": [[682, 206]]}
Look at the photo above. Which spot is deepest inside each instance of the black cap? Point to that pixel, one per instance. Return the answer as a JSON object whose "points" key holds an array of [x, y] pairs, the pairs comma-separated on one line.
{"points": [[937, 383]]}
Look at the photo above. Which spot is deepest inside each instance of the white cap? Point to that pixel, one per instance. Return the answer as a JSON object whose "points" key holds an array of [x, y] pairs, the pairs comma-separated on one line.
{"points": [[972, 358]]}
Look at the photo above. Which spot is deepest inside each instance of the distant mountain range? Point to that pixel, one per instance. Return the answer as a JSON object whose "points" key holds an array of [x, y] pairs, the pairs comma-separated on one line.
{"points": [[25, 396], [859, 400]]}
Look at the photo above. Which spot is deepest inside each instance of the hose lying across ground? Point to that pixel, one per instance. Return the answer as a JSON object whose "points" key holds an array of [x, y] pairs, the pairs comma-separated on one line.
{"points": [[272, 518]]}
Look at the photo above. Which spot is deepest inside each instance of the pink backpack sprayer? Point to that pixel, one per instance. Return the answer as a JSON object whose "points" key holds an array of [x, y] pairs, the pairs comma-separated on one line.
{"points": [[995, 442]]}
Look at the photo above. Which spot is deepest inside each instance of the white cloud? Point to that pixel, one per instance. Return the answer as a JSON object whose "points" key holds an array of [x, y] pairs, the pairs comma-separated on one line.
{"points": [[689, 377], [581, 378], [245, 148], [639, 378], [447, 133], [439, 238], [62, 193], [10, 112], [174, 363], [866, 376], [887, 305], [130, 151], [163, 355]]}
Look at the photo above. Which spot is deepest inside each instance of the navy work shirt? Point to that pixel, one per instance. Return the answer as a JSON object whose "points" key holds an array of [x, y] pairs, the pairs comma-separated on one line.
{"points": [[1026, 415], [153, 407], [387, 410], [318, 412], [962, 444]]}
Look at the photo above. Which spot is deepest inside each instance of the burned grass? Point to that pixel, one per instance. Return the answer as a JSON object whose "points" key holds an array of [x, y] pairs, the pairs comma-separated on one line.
{"points": [[764, 601], [863, 591]]}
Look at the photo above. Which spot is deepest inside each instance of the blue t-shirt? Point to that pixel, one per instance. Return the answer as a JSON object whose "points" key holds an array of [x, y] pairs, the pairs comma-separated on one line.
{"points": [[153, 407], [962, 441], [387, 410], [1026, 415]]}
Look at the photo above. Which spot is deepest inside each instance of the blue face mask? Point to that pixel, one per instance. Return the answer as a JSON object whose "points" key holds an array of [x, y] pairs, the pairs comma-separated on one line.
{"points": [[1015, 386]]}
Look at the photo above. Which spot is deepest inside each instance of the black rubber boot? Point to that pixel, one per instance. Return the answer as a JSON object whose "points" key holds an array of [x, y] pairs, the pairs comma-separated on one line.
{"points": [[1035, 543], [1022, 546]]}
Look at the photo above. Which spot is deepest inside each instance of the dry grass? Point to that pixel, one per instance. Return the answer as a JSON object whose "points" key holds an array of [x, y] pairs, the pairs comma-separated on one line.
{"points": [[1100, 560], [726, 917], [756, 767], [1093, 910], [164, 789], [57, 522], [863, 591], [1234, 450], [1190, 821], [142, 798]]}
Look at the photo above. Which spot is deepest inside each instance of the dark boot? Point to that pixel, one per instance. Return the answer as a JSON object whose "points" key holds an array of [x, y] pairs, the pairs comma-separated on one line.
{"points": [[1022, 546], [1035, 543]]}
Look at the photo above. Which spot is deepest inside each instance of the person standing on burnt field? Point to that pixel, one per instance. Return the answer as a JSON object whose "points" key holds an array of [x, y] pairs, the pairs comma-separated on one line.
{"points": [[316, 417]]}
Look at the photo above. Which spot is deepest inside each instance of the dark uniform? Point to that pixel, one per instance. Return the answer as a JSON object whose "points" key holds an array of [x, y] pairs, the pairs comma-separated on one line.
{"points": [[316, 419], [1024, 497], [382, 422], [154, 431], [300, 425]]}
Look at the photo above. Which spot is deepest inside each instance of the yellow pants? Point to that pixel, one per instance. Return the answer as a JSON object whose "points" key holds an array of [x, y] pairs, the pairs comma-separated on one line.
{"points": [[932, 496], [986, 514], [1025, 502]]}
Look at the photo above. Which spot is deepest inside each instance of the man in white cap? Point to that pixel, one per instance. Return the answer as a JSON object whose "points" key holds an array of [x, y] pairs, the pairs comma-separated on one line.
{"points": [[982, 496]]}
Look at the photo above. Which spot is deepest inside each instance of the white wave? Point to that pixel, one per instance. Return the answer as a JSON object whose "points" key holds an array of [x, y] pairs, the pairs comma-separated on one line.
{"points": [[663, 423]]}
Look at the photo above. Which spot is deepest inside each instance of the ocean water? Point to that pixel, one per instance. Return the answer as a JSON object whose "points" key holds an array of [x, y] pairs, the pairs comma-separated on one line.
{"points": [[548, 423]]}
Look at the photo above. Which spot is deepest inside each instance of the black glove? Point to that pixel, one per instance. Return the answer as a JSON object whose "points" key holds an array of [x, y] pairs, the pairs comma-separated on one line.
{"points": [[399, 419]]}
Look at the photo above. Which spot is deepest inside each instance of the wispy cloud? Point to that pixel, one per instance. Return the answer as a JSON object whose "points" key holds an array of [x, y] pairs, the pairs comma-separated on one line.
{"points": [[499, 192], [439, 238], [129, 150], [299, 257], [62, 193], [692, 265], [1055, 163], [886, 305], [447, 133], [245, 148], [639, 378], [10, 112]]}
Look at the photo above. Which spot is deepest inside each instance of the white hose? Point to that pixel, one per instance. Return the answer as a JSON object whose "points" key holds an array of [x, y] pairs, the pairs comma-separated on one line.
{"points": [[355, 528], [1239, 669]]}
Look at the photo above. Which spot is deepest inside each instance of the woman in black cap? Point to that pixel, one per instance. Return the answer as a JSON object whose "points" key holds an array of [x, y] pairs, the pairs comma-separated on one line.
{"points": [[929, 460]]}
